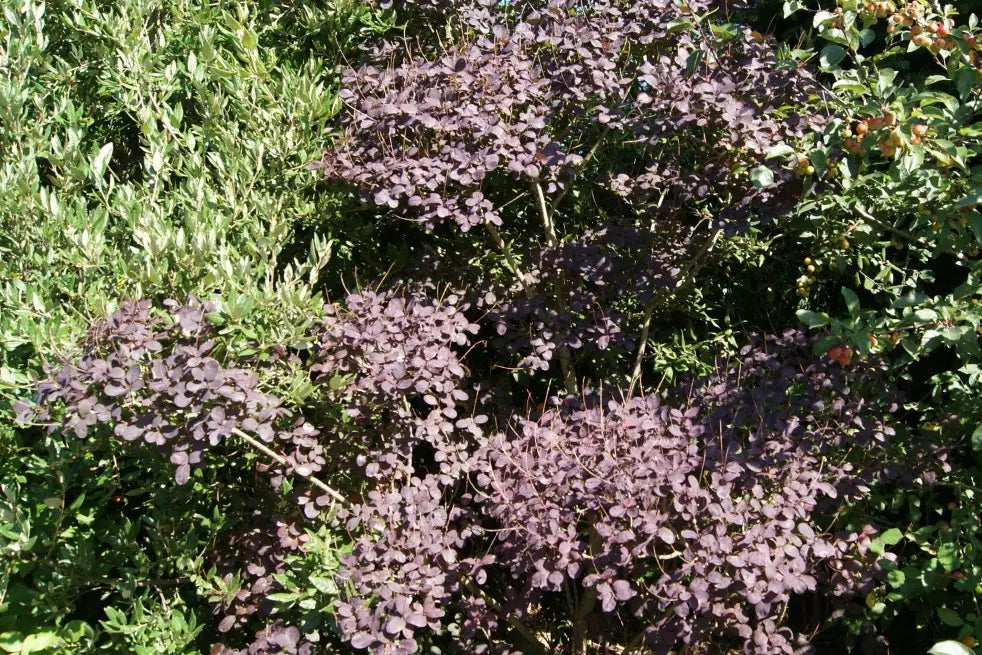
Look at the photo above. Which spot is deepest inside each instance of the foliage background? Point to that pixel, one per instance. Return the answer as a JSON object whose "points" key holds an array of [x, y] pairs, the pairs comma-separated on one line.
{"points": [[160, 149], [150, 149]]}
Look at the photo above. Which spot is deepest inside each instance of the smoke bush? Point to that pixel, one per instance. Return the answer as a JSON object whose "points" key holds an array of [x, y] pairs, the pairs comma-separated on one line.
{"points": [[596, 276], [690, 519], [403, 377], [528, 88], [577, 121], [154, 381], [274, 639], [694, 517]]}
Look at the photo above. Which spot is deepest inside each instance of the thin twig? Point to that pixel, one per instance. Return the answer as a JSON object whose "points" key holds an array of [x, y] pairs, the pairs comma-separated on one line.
{"points": [[547, 224], [565, 359], [509, 258], [586, 160], [272, 454], [889, 228]]}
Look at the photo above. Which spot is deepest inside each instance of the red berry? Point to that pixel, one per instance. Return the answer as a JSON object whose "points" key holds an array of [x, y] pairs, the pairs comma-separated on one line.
{"points": [[841, 354]]}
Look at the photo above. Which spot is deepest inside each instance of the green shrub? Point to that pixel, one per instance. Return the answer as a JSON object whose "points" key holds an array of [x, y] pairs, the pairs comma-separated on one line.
{"points": [[889, 233], [149, 149]]}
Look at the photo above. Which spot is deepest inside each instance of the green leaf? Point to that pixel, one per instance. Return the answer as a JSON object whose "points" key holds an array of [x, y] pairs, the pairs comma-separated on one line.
{"points": [[950, 617], [965, 80], [812, 319], [77, 630], [925, 315], [852, 301], [821, 17], [892, 536], [38, 642], [860, 339], [954, 334], [896, 578], [819, 160], [928, 98], [910, 299], [912, 160], [830, 56], [249, 40], [851, 85], [10, 641], [822, 344], [977, 439], [884, 82], [948, 557], [930, 339], [323, 585], [780, 150], [791, 6], [101, 160], [950, 647], [972, 199], [762, 177], [975, 220]]}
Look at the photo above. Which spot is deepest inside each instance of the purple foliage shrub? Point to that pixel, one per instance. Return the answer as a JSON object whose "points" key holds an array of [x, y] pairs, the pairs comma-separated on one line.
{"points": [[404, 393], [404, 378], [154, 381], [276, 638], [693, 519], [598, 276], [528, 110], [252, 555], [527, 89], [689, 518]]}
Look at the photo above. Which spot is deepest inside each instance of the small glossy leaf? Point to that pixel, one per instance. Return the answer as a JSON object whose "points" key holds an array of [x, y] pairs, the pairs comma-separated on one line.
{"points": [[762, 177], [812, 319], [950, 617], [852, 301], [892, 536], [831, 55], [950, 647]]}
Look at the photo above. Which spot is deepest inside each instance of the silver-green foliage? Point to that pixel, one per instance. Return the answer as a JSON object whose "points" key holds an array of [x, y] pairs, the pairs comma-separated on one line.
{"points": [[148, 149], [159, 148]]}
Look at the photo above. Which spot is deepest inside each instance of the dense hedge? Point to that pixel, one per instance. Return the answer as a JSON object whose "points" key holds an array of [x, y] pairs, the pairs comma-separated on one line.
{"points": [[539, 326]]}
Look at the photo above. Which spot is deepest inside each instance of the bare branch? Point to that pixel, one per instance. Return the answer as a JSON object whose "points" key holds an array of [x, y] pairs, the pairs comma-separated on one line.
{"points": [[272, 454], [509, 258], [547, 224]]}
